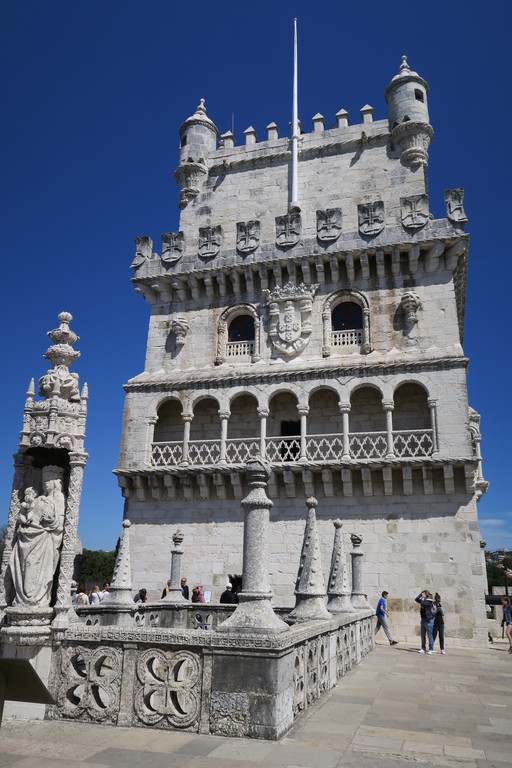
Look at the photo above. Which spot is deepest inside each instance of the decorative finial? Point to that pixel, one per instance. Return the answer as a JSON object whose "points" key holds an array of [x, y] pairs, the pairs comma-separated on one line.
{"points": [[31, 389], [404, 67], [200, 109], [59, 381]]}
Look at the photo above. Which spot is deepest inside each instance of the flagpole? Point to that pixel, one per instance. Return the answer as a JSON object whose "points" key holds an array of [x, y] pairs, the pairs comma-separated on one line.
{"points": [[295, 124]]}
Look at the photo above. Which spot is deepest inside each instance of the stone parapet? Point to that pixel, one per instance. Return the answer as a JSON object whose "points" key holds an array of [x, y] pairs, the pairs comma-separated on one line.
{"points": [[228, 684]]}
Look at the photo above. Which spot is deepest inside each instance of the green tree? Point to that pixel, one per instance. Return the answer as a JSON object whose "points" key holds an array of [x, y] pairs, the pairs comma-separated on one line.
{"points": [[97, 566]]}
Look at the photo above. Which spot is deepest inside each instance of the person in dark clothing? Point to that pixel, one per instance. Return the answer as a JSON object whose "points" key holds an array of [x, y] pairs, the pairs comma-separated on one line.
{"points": [[228, 596], [427, 613], [184, 588], [438, 628]]}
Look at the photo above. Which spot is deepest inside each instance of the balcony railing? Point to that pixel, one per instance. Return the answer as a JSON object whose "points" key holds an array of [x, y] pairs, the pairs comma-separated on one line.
{"points": [[239, 348], [414, 443], [352, 338]]}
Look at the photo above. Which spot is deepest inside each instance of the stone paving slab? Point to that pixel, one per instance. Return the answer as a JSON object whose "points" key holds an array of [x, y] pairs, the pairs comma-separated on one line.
{"points": [[394, 711]]}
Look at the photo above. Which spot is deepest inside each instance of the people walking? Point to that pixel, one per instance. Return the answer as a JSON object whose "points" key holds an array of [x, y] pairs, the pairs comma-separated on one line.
{"points": [[141, 596], [438, 628], [507, 618], [184, 588], [94, 597], [427, 613], [166, 589], [382, 613]]}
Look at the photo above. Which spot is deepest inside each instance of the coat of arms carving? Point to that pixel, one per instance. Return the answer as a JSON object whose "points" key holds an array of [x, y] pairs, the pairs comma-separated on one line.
{"points": [[210, 241], [290, 317], [247, 236], [371, 218], [454, 199], [288, 230], [173, 244], [143, 251], [414, 211], [328, 225]]}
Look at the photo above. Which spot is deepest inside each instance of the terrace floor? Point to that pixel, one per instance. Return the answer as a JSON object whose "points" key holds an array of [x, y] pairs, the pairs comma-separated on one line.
{"points": [[398, 708]]}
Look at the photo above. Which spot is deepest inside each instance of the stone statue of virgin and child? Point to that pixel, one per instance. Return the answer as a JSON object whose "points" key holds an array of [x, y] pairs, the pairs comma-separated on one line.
{"points": [[37, 541]]}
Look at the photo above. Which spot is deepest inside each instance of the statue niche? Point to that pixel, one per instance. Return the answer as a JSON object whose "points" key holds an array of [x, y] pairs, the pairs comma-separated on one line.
{"points": [[37, 541]]}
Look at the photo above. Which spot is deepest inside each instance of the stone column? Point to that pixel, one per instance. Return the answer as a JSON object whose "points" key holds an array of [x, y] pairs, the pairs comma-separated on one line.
{"points": [[310, 586], [345, 410], [338, 590], [64, 611], [263, 414], [366, 331], [357, 599], [388, 406], [21, 464], [224, 418], [303, 413], [254, 614], [432, 404], [174, 595], [187, 420]]}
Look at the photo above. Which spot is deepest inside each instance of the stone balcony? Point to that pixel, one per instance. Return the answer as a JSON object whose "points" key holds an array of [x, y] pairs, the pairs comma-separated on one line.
{"points": [[406, 444]]}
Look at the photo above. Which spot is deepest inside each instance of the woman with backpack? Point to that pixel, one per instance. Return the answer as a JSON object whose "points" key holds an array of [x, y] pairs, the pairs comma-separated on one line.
{"points": [[439, 622]]}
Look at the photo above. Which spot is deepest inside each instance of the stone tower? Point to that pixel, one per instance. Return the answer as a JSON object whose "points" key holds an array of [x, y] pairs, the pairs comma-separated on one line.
{"points": [[326, 338]]}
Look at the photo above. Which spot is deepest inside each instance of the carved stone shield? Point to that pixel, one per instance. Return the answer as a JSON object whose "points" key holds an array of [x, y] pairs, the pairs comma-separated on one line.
{"points": [[454, 199], [414, 211], [328, 225], [247, 236], [290, 317], [173, 244], [288, 230], [210, 241], [371, 218], [143, 251]]}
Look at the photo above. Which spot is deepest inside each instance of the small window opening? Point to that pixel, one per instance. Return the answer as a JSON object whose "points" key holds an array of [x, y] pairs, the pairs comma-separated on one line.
{"points": [[347, 316], [419, 95], [183, 141], [241, 329], [406, 119]]}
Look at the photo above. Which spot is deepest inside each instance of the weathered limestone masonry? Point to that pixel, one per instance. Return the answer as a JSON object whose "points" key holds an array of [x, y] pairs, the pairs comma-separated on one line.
{"points": [[325, 337]]}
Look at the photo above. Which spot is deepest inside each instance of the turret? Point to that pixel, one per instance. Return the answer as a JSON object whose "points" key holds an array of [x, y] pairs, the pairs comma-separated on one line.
{"points": [[198, 137], [409, 124]]}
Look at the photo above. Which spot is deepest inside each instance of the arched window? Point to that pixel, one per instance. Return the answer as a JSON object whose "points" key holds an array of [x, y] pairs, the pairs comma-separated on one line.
{"points": [[241, 329], [347, 316], [346, 323], [238, 335]]}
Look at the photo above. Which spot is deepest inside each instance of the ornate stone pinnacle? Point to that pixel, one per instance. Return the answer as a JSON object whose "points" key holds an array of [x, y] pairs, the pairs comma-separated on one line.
{"points": [[310, 585], [356, 539], [201, 109], [177, 538], [121, 587], [404, 67]]}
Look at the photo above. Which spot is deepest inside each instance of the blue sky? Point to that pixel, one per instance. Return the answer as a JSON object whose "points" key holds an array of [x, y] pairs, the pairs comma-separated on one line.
{"points": [[93, 94]]}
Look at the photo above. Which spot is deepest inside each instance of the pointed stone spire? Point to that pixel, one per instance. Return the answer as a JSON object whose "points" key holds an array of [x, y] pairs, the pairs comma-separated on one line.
{"points": [[85, 392], [404, 67], [310, 585], [121, 587], [339, 588]]}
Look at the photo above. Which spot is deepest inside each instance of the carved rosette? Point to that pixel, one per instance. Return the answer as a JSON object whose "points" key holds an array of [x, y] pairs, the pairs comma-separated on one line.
{"points": [[328, 225], [247, 236], [414, 211], [88, 685], [454, 199], [371, 218], [210, 242], [168, 688], [173, 244], [288, 230], [180, 327], [290, 317], [410, 303], [143, 251]]}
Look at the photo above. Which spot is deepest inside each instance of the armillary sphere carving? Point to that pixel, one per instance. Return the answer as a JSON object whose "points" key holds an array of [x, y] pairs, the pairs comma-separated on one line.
{"points": [[170, 687]]}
